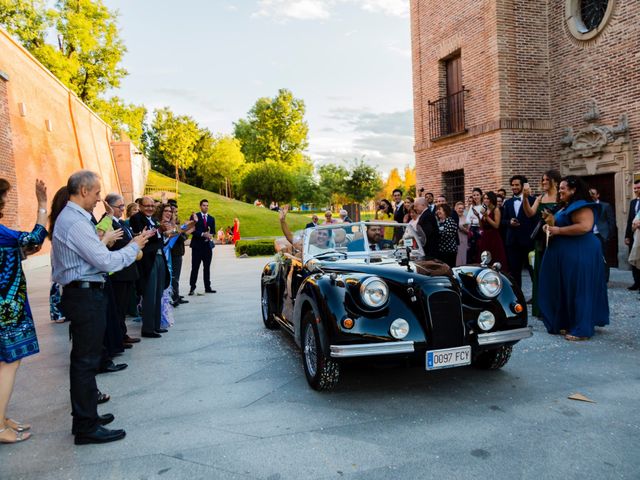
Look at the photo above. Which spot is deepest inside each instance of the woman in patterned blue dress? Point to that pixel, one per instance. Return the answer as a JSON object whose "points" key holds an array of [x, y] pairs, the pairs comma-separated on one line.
{"points": [[572, 291], [17, 331]]}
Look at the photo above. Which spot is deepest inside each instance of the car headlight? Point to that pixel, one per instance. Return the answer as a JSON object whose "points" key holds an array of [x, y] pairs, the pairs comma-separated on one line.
{"points": [[374, 292], [486, 320], [489, 283], [399, 328]]}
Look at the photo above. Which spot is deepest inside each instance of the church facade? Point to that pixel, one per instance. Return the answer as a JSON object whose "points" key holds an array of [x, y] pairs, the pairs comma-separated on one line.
{"points": [[504, 87]]}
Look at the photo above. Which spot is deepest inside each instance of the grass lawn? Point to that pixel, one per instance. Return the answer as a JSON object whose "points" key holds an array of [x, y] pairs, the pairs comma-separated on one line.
{"points": [[254, 221]]}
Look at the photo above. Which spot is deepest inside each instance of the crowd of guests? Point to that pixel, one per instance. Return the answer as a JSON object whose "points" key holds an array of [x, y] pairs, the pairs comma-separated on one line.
{"points": [[559, 236], [125, 263]]}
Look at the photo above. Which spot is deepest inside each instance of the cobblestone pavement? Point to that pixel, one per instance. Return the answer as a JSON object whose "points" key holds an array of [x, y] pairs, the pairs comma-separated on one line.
{"points": [[221, 397]]}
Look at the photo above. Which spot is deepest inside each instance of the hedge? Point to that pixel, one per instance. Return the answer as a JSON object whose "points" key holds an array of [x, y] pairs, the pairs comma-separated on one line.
{"points": [[255, 248]]}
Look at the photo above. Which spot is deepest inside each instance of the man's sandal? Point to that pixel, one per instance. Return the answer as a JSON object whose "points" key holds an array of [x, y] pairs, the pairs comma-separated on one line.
{"points": [[20, 436], [17, 426]]}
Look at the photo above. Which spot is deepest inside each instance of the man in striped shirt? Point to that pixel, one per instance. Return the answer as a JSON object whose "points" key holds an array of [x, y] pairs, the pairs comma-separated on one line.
{"points": [[80, 261]]}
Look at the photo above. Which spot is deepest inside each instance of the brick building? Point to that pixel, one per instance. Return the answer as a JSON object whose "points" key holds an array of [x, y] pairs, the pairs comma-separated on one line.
{"points": [[46, 132], [518, 86]]}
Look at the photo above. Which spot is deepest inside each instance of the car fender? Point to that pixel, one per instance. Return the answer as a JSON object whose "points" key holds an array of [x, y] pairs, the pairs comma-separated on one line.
{"points": [[316, 292]]}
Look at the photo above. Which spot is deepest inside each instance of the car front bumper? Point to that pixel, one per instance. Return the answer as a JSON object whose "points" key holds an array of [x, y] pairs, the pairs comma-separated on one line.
{"points": [[371, 349], [504, 336]]}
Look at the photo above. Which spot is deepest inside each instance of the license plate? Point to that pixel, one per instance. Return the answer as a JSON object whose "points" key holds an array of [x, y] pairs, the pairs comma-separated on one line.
{"points": [[448, 357]]}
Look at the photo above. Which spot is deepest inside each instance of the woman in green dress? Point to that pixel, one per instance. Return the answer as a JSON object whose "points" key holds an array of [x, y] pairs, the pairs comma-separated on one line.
{"points": [[545, 203]]}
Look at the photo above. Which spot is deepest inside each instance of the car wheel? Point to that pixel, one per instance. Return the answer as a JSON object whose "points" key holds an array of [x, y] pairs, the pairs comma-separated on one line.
{"points": [[268, 317], [493, 359], [321, 371]]}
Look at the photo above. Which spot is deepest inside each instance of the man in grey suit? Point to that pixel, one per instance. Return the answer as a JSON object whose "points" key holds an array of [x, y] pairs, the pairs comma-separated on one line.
{"points": [[605, 225]]}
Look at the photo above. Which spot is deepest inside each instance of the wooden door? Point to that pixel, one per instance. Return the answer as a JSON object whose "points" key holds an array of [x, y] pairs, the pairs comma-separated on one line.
{"points": [[605, 184], [454, 96]]}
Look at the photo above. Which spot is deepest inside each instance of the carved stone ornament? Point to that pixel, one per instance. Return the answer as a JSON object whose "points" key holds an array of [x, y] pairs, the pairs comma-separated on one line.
{"points": [[592, 140]]}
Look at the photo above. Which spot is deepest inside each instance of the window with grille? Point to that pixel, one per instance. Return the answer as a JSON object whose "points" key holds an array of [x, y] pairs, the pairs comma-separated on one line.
{"points": [[453, 182]]}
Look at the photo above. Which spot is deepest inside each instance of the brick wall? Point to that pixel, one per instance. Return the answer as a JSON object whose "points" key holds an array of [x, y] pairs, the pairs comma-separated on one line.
{"points": [[46, 132], [7, 162], [528, 79], [606, 69]]}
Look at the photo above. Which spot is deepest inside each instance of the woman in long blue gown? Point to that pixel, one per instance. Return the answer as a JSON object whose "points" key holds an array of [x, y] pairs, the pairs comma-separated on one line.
{"points": [[572, 292]]}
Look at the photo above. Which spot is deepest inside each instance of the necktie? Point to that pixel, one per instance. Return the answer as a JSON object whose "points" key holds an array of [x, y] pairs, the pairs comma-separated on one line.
{"points": [[125, 229], [204, 219], [517, 199]]}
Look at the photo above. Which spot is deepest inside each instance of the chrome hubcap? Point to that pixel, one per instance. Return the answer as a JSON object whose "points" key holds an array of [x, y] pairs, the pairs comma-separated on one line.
{"points": [[310, 351]]}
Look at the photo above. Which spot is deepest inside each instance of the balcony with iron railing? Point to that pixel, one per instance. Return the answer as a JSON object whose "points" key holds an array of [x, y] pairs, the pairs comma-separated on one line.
{"points": [[446, 116]]}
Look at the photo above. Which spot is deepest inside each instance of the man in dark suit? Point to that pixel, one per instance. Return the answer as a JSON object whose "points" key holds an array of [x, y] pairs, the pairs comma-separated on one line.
{"points": [[605, 225], [398, 214], [313, 223], [519, 228], [202, 247], [427, 222], [634, 207], [124, 281], [153, 269], [375, 238]]}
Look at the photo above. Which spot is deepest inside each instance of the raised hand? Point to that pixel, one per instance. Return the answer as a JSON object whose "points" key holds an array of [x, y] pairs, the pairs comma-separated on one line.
{"points": [[107, 208], [41, 193]]}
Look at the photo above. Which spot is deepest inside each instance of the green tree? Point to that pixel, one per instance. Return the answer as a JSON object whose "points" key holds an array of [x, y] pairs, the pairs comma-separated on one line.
{"points": [[274, 130], [89, 40], [332, 183], [363, 183], [124, 118], [173, 140], [27, 20], [270, 181], [220, 162], [88, 51], [307, 189]]}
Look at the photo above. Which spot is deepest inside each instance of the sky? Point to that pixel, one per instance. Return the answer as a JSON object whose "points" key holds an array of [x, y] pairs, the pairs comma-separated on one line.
{"points": [[349, 60]]}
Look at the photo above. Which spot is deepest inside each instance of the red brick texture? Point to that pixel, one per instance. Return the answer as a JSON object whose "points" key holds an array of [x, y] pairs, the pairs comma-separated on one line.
{"points": [[528, 79]]}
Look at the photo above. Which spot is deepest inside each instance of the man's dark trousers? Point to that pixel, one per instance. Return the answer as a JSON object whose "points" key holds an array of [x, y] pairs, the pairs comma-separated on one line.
{"points": [[86, 308], [176, 268], [152, 297], [203, 255], [122, 292]]}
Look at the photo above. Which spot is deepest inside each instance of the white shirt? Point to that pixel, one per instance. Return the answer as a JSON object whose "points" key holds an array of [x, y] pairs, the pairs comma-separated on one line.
{"points": [[517, 204], [78, 254]]}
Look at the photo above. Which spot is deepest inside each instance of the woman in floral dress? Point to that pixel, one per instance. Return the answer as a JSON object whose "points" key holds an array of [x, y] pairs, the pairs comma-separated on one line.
{"points": [[17, 331]]}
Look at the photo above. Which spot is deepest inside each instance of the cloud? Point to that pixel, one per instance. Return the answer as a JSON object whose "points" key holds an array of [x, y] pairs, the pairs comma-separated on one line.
{"points": [[398, 123], [323, 9], [294, 9], [384, 139], [191, 97], [396, 8]]}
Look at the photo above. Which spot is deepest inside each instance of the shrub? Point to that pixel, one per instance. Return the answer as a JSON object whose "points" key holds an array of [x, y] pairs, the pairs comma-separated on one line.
{"points": [[255, 248]]}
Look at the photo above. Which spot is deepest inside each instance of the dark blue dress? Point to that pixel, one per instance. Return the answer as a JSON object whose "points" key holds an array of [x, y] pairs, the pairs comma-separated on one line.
{"points": [[572, 291], [17, 331]]}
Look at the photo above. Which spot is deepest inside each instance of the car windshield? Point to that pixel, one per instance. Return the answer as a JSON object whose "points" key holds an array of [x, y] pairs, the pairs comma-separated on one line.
{"points": [[355, 240]]}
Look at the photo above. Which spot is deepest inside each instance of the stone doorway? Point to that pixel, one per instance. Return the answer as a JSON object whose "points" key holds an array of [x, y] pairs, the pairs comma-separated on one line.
{"points": [[606, 185]]}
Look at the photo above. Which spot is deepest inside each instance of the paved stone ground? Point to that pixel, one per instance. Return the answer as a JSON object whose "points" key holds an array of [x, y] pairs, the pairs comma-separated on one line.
{"points": [[221, 397]]}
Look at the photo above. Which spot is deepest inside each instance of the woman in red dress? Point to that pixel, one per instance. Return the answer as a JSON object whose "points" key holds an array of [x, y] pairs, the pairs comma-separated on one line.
{"points": [[490, 238], [236, 230]]}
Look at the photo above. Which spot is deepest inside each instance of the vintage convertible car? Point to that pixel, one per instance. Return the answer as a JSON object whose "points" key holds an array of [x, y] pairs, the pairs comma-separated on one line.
{"points": [[343, 292]]}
